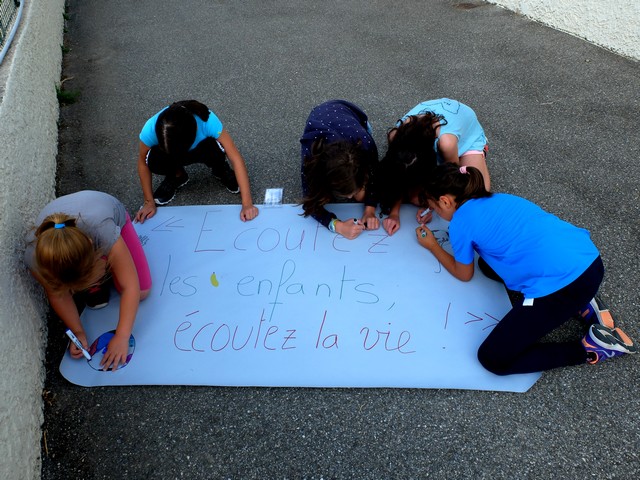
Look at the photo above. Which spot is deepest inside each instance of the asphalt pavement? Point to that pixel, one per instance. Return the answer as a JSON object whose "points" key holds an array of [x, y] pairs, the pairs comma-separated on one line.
{"points": [[562, 118]]}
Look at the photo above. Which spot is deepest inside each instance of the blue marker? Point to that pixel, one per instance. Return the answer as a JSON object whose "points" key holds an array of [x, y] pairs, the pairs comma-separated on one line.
{"points": [[78, 344]]}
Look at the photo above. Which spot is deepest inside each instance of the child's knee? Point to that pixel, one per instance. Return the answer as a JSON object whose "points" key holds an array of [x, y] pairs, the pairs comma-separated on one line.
{"points": [[492, 363]]}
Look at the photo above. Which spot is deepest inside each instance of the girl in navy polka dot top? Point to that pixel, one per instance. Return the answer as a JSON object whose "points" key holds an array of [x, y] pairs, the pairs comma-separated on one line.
{"points": [[339, 163]]}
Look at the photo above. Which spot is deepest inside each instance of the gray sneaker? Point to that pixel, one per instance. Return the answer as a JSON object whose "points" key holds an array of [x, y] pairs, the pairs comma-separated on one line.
{"points": [[602, 342]]}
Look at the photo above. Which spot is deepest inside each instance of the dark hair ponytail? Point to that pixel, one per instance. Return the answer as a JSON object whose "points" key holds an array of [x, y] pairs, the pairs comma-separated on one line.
{"points": [[176, 127], [194, 107], [463, 183]]}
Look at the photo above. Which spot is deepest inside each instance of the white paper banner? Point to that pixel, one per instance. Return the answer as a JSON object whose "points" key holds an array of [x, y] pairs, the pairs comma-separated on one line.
{"points": [[281, 301]]}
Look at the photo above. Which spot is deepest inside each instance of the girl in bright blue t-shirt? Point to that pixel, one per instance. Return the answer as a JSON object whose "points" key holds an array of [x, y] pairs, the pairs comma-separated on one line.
{"points": [[554, 264]]}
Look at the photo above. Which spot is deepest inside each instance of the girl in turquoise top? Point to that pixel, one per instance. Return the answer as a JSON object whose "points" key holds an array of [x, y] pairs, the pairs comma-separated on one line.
{"points": [[553, 263], [181, 134]]}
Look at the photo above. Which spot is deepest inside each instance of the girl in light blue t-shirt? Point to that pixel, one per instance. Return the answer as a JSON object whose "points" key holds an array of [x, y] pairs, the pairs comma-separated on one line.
{"points": [[431, 133]]}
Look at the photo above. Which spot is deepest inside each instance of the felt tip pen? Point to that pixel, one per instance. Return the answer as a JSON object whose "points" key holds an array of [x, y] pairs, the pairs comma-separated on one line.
{"points": [[78, 344], [357, 222], [424, 214]]}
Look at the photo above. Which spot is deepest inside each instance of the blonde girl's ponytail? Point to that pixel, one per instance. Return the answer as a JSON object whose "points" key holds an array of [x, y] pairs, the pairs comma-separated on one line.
{"points": [[65, 256]]}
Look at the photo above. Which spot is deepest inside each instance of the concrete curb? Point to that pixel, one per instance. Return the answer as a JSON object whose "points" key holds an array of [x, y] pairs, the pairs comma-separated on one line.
{"points": [[29, 132]]}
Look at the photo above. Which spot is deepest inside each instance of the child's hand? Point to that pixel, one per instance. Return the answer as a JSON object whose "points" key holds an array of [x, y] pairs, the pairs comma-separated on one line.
{"points": [[370, 222], [349, 229], [391, 224], [425, 237], [147, 210], [248, 213], [75, 351], [423, 219], [117, 352]]}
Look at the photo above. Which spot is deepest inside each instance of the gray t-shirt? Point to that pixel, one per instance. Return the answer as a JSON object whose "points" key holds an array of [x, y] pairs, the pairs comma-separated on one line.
{"points": [[97, 214]]}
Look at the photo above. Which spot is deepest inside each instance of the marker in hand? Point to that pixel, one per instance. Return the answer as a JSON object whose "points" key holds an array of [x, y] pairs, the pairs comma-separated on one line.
{"points": [[426, 211], [357, 222], [78, 344]]}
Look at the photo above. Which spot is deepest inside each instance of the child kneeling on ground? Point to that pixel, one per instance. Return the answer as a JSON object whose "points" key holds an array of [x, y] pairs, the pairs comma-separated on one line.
{"points": [[81, 241], [553, 263]]}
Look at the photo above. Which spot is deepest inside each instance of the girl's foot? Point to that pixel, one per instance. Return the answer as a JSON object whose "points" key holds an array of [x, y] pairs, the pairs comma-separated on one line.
{"points": [[223, 172], [602, 342], [596, 312], [166, 191]]}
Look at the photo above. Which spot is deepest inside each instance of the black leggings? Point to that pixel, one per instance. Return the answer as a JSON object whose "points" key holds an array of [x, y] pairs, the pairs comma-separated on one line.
{"points": [[513, 346], [207, 151]]}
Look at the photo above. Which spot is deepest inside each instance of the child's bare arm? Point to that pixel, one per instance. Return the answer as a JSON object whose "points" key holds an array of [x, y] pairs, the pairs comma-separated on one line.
{"points": [[124, 272], [448, 147], [148, 208], [459, 270], [249, 211], [66, 310], [391, 224]]}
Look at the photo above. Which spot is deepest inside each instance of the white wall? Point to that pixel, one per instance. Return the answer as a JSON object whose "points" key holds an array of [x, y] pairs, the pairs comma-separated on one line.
{"points": [[28, 147], [613, 24]]}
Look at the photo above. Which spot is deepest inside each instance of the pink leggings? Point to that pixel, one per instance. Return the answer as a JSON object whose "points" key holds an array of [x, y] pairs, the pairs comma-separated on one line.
{"points": [[130, 237]]}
